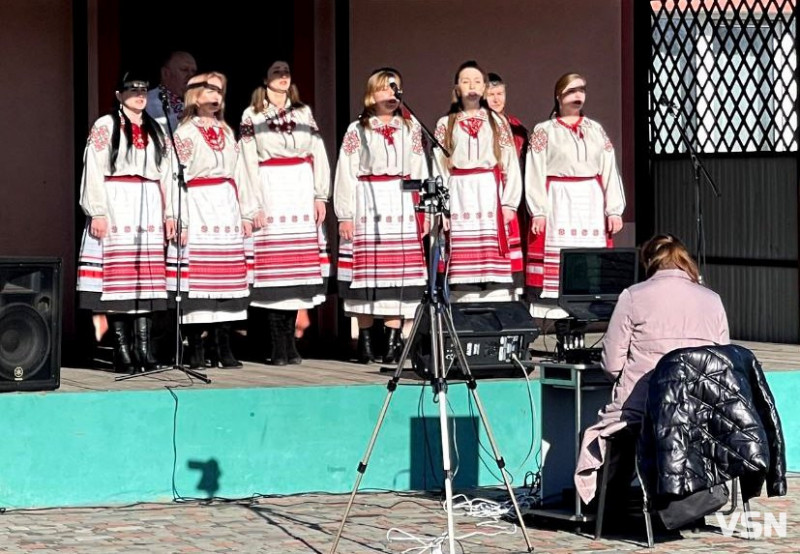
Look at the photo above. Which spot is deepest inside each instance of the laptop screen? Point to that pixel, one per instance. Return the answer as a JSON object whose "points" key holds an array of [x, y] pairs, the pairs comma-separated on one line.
{"points": [[592, 275]]}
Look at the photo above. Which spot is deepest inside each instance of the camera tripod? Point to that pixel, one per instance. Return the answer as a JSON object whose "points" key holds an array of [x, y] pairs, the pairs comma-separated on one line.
{"points": [[435, 309]]}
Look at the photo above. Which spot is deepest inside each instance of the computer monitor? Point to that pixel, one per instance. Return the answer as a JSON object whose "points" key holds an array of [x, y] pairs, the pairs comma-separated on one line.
{"points": [[591, 280]]}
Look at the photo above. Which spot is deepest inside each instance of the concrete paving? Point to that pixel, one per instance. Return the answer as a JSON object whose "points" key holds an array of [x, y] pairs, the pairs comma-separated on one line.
{"points": [[302, 524]]}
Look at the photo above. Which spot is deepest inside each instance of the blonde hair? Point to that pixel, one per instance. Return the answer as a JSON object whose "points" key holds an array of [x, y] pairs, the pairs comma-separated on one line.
{"points": [[561, 85], [259, 96], [379, 80], [190, 99], [665, 251], [457, 106]]}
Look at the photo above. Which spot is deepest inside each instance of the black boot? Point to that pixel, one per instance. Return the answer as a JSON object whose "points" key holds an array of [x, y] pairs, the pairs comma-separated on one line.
{"points": [[365, 353], [289, 322], [143, 326], [277, 332], [194, 354], [225, 357], [123, 356], [394, 346]]}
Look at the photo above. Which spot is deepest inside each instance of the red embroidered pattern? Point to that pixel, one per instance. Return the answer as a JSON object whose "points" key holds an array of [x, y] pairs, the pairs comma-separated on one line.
{"points": [[505, 134], [214, 137], [538, 140], [440, 132], [185, 147], [471, 126], [575, 127], [247, 130], [351, 142], [99, 138], [387, 131], [139, 138], [416, 139], [282, 123]]}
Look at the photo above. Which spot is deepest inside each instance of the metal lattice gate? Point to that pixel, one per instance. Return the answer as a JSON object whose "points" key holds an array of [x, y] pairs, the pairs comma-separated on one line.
{"points": [[729, 69]]}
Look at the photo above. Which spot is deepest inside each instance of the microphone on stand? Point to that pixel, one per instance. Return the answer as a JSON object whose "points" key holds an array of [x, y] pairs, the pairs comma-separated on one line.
{"points": [[162, 95], [662, 101], [398, 92]]}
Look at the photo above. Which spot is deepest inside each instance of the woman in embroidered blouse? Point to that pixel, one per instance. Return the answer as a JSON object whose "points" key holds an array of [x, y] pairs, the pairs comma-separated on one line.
{"points": [[485, 185], [284, 162], [573, 191], [121, 266], [213, 269], [381, 270]]}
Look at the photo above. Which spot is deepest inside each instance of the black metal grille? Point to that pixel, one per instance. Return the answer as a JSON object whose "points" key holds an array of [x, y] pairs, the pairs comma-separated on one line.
{"points": [[729, 69]]}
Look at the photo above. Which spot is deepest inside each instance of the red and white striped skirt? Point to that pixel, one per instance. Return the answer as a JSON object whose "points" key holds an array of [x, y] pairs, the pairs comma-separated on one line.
{"points": [[213, 261], [386, 250], [576, 219], [291, 249], [482, 248], [128, 264]]}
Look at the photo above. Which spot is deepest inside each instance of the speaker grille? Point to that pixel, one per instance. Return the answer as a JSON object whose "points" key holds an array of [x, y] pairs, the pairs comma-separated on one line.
{"points": [[25, 341]]}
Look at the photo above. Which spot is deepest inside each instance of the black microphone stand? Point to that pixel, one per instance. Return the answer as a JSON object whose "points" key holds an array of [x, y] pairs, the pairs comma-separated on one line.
{"points": [[434, 312], [699, 171], [179, 250]]}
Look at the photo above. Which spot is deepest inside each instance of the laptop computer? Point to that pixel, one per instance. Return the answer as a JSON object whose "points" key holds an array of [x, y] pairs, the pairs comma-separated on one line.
{"points": [[591, 280]]}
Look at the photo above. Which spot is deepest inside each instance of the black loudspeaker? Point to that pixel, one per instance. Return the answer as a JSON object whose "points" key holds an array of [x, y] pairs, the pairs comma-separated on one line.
{"points": [[490, 332], [30, 323]]}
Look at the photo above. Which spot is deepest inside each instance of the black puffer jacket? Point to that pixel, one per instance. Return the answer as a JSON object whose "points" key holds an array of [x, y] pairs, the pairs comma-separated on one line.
{"points": [[709, 417]]}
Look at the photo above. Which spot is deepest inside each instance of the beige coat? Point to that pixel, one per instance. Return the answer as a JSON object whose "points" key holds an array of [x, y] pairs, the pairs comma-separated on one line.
{"points": [[666, 312]]}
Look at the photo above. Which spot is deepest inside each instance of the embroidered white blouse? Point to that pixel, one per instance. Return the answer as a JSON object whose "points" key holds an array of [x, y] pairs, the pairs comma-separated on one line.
{"points": [[139, 161], [393, 148], [473, 148], [283, 133], [583, 150], [205, 152]]}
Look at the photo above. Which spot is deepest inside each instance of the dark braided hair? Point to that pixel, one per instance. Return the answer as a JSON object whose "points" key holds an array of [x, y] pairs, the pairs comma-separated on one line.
{"points": [[150, 127]]}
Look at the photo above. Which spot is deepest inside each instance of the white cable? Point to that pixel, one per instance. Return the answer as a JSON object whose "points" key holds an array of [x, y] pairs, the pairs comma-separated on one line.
{"points": [[488, 510]]}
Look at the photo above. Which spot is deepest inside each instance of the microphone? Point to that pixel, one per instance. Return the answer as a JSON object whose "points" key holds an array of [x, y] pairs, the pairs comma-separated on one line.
{"points": [[162, 95], [661, 101], [398, 92]]}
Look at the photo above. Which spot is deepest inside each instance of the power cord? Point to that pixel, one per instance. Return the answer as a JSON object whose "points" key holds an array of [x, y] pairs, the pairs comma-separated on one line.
{"points": [[491, 513]]}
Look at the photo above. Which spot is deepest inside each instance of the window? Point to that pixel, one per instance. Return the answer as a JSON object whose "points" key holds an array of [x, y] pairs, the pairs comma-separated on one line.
{"points": [[728, 69]]}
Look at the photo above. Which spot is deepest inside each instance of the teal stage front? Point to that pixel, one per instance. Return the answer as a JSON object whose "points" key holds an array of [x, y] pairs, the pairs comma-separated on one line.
{"points": [[98, 448]]}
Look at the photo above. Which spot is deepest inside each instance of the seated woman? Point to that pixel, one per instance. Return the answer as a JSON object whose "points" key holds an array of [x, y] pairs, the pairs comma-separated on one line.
{"points": [[670, 310]]}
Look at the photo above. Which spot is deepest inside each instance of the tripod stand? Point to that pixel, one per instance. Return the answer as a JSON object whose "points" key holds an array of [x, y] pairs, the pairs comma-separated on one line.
{"points": [[178, 365], [435, 308]]}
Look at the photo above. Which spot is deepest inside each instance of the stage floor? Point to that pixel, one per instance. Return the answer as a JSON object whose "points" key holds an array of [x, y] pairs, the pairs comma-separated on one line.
{"points": [[318, 372]]}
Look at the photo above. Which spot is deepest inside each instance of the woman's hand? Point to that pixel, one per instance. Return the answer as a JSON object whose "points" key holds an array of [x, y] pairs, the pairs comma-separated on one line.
{"points": [[614, 224], [169, 229], [508, 215], [538, 224], [319, 212], [99, 227], [346, 230], [446, 223], [247, 228], [426, 226], [259, 220]]}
